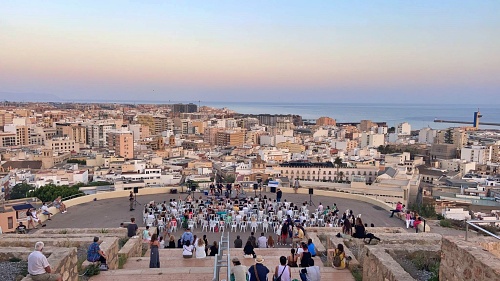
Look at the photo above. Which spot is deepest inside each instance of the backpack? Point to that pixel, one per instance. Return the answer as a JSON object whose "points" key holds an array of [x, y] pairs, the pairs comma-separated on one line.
{"points": [[337, 261]]}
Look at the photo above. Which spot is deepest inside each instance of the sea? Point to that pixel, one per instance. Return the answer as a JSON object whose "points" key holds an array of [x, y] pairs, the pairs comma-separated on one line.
{"points": [[417, 115]]}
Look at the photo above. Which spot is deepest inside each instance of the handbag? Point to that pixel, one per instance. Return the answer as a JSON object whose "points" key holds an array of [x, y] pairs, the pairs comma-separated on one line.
{"points": [[279, 277]]}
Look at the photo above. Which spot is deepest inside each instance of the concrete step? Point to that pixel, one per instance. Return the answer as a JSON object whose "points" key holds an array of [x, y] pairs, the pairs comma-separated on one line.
{"points": [[204, 274]]}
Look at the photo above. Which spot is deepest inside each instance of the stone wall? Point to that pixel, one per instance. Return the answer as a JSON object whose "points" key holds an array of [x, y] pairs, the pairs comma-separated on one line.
{"points": [[109, 245], [492, 247], [378, 265], [467, 261], [62, 261], [133, 248]]}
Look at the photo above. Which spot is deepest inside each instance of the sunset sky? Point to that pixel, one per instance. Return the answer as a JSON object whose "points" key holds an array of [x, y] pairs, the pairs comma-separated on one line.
{"points": [[278, 51]]}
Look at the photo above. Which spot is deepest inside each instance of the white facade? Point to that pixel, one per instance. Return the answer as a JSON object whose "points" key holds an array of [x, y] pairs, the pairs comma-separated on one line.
{"points": [[371, 139], [427, 135], [476, 153], [403, 129]]}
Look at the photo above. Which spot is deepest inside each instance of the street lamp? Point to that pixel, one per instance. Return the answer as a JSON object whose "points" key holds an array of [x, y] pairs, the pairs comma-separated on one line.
{"points": [[319, 172]]}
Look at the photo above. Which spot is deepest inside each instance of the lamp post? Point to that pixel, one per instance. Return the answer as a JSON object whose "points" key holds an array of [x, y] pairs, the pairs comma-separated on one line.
{"points": [[319, 172]]}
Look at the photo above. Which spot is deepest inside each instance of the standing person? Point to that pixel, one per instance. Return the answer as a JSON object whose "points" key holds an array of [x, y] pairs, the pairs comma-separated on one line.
{"points": [[238, 243], [39, 267], [94, 253], [154, 259], [238, 271], [408, 218], [146, 234], [258, 272], [132, 228], [199, 249], [262, 241], [284, 233], [29, 218], [282, 271], [310, 273], [131, 200], [279, 194], [187, 236]]}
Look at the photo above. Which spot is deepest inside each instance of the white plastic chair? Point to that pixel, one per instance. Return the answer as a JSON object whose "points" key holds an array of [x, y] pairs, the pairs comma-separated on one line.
{"points": [[222, 226], [234, 226], [265, 226], [243, 226], [204, 226], [213, 224], [253, 226]]}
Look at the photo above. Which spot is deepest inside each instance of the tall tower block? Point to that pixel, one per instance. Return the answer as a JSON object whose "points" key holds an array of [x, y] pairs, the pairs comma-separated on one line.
{"points": [[477, 116]]}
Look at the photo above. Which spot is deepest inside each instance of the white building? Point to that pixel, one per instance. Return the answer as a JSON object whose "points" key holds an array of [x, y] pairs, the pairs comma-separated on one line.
{"points": [[476, 153], [370, 139], [403, 129], [427, 135]]}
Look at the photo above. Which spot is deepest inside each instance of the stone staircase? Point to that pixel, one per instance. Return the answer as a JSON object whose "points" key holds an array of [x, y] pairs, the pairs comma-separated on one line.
{"points": [[175, 268]]}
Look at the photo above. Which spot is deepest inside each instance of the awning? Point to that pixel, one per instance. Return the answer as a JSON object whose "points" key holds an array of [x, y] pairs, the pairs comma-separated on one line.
{"points": [[22, 207]]}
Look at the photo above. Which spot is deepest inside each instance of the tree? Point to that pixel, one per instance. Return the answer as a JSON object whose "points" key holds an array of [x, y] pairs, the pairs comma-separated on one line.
{"points": [[338, 162], [20, 190], [229, 179], [50, 192], [448, 136], [341, 176]]}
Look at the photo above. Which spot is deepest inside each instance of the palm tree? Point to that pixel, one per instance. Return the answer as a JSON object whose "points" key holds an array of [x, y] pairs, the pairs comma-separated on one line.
{"points": [[338, 162]]}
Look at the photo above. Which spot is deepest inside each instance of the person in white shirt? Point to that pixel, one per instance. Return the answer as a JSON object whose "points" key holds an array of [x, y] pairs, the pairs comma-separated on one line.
{"points": [[320, 207], [262, 241], [310, 273], [187, 250], [289, 212], [45, 211], [39, 267]]}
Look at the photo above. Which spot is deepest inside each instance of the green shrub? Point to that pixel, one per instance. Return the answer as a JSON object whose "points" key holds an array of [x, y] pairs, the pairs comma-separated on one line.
{"points": [[122, 242], [92, 270], [445, 223], [121, 261], [14, 259]]}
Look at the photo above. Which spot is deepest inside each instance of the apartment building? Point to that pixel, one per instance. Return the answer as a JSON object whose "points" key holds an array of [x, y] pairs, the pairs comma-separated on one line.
{"points": [[476, 153], [427, 135], [231, 138], [74, 131], [62, 145], [326, 171], [370, 139], [326, 121], [121, 142]]}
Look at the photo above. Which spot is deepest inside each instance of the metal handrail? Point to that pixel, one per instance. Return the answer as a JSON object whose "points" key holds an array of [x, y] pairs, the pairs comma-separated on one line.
{"points": [[472, 223]]}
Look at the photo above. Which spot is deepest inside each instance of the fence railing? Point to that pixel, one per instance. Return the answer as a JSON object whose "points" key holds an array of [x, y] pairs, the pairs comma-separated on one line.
{"points": [[473, 224]]}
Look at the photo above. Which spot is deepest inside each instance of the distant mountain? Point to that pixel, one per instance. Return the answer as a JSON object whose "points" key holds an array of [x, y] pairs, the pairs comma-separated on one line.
{"points": [[29, 97]]}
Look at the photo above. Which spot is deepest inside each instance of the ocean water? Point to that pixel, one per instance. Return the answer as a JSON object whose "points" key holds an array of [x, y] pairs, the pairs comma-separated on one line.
{"points": [[418, 115]]}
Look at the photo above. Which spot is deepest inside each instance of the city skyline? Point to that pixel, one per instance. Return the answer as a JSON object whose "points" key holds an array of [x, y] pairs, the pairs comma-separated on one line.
{"points": [[377, 51]]}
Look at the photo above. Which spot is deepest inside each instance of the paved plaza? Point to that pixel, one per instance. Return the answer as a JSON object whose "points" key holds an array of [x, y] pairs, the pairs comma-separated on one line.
{"points": [[111, 212]]}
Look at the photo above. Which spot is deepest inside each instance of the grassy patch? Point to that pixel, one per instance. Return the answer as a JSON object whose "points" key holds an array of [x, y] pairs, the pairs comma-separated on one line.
{"points": [[456, 224], [63, 231], [92, 270], [357, 273], [121, 261], [122, 242], [14, 259]]}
